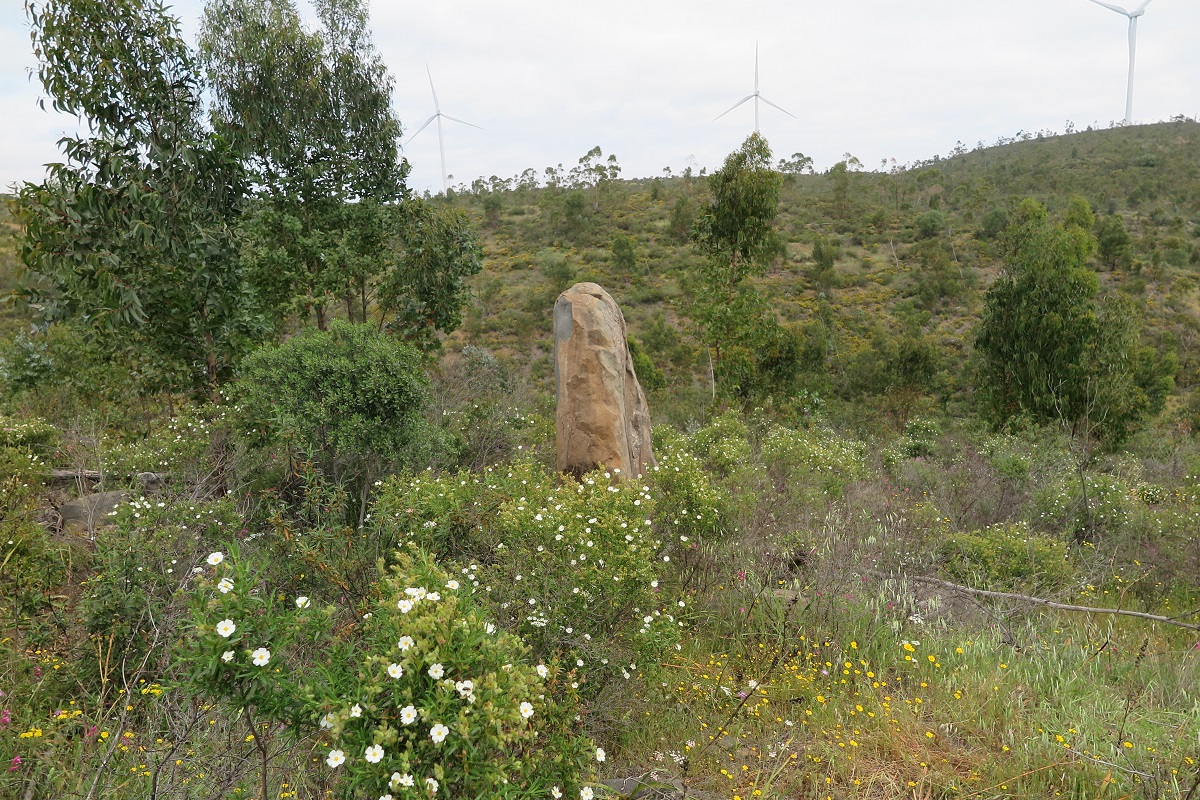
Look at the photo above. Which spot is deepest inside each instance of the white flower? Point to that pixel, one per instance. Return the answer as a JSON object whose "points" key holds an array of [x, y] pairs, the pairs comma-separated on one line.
{"points": [[438, 732], [385, 797], [356, 711], [586, 793], [215, 558], [260, 657], [405, 643], [408, 715], [464, 688], [543, 671], [600, 754], [395, 670], [226, 628], [431, 786], [327, 721], [303, 602], [405, 606], [336, 758], [526, 710], [225, 586], [437, 671], [227, 656], [452, 585], [374, 754], [489, 627], [555, 792], [400, 780]]}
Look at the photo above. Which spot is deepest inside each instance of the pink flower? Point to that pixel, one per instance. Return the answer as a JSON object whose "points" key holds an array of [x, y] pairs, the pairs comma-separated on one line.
{"points": [[16, 762]]}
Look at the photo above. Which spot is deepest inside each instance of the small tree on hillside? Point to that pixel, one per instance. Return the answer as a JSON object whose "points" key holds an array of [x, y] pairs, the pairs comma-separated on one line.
{"points": [[1049, 350], [735, 230]]}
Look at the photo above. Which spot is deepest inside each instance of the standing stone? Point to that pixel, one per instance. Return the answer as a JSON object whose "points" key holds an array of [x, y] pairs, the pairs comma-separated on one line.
{"points": [[602, 417]]}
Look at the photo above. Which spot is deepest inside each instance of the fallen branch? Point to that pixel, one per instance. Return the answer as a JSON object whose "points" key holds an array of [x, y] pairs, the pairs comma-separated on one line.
{"points": [[1038, 601]]}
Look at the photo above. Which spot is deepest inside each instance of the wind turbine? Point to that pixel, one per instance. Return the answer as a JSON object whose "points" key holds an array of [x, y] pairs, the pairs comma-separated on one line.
{"points": [[758, 96], [1133, 18], [437, 114]]}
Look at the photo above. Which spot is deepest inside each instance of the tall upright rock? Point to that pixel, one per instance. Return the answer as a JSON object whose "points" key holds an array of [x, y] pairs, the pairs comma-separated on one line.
{"points": [[602, 418]]}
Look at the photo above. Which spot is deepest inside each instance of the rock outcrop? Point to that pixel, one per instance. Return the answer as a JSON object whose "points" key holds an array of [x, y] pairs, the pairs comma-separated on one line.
{"points": [[602, 418]]}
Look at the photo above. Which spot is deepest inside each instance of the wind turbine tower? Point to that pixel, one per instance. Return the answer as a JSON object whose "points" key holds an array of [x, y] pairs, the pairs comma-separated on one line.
{"points": [[437, 114], [1133, 18], [757, 96]]}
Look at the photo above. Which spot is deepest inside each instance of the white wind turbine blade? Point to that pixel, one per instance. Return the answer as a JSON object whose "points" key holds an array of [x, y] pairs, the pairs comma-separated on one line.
{"points": [[424, 125], [436, 107], [735, 105], [1141, 9], [1111, 7], [781, 108], [462, 121]]}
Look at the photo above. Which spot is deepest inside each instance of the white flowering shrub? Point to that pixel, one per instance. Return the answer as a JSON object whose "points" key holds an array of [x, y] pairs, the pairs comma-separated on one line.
{"points": [[253, 646], [812, 462], [443, 704], [179, 446], [139, 566], [580, 569]]}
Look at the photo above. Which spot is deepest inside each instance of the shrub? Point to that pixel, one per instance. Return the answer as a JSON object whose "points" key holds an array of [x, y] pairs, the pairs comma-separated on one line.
{"points": [[1007, 557], [443, 703], [816, 462], [349, 398]]}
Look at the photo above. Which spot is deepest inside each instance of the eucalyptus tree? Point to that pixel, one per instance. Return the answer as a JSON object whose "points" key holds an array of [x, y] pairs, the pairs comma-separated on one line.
{"points": [[735, 229], [310, 112], [131, 233]]}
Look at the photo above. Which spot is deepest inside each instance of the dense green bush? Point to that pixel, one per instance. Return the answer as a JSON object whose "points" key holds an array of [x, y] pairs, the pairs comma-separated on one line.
{"points": [[1007, 557]]}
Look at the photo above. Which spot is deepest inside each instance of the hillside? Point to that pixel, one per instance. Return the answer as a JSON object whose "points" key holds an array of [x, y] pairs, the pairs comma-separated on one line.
{"points": [[891, 274], [354, 572]]}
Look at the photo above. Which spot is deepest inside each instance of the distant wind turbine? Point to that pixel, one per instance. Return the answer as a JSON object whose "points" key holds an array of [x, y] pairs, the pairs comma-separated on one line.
{"points": [[1133, 18], [757, 96], [437, 114]]}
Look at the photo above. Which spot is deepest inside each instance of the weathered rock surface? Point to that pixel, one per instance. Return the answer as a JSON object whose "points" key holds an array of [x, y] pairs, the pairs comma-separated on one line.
{"points": [[85, 514], [602, 418]]}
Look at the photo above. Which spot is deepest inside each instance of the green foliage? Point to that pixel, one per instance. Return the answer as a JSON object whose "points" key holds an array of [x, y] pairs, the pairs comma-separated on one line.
{"points": [[752, 353], [1048, 349], [567, 565], [1113, 243], [679, 226], [439, 694], [1007, 558], [930, 224], [133, 231], [994, 223], [735, 229], [938, 278], [424, 291], [250, 645], [812, 461], [310, 114], [825, 254], [798, 164], [349, 397], [919, 439], [130, 600], [624, 254], [32, 565], [649, 376]]}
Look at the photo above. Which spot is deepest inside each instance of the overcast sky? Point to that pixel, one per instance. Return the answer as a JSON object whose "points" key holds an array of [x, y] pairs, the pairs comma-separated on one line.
{"points": [[548, 80]]}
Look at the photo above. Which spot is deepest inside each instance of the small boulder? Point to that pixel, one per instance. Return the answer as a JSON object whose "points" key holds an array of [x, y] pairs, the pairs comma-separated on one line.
{"points": [[85, 514], [602, 418]]}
